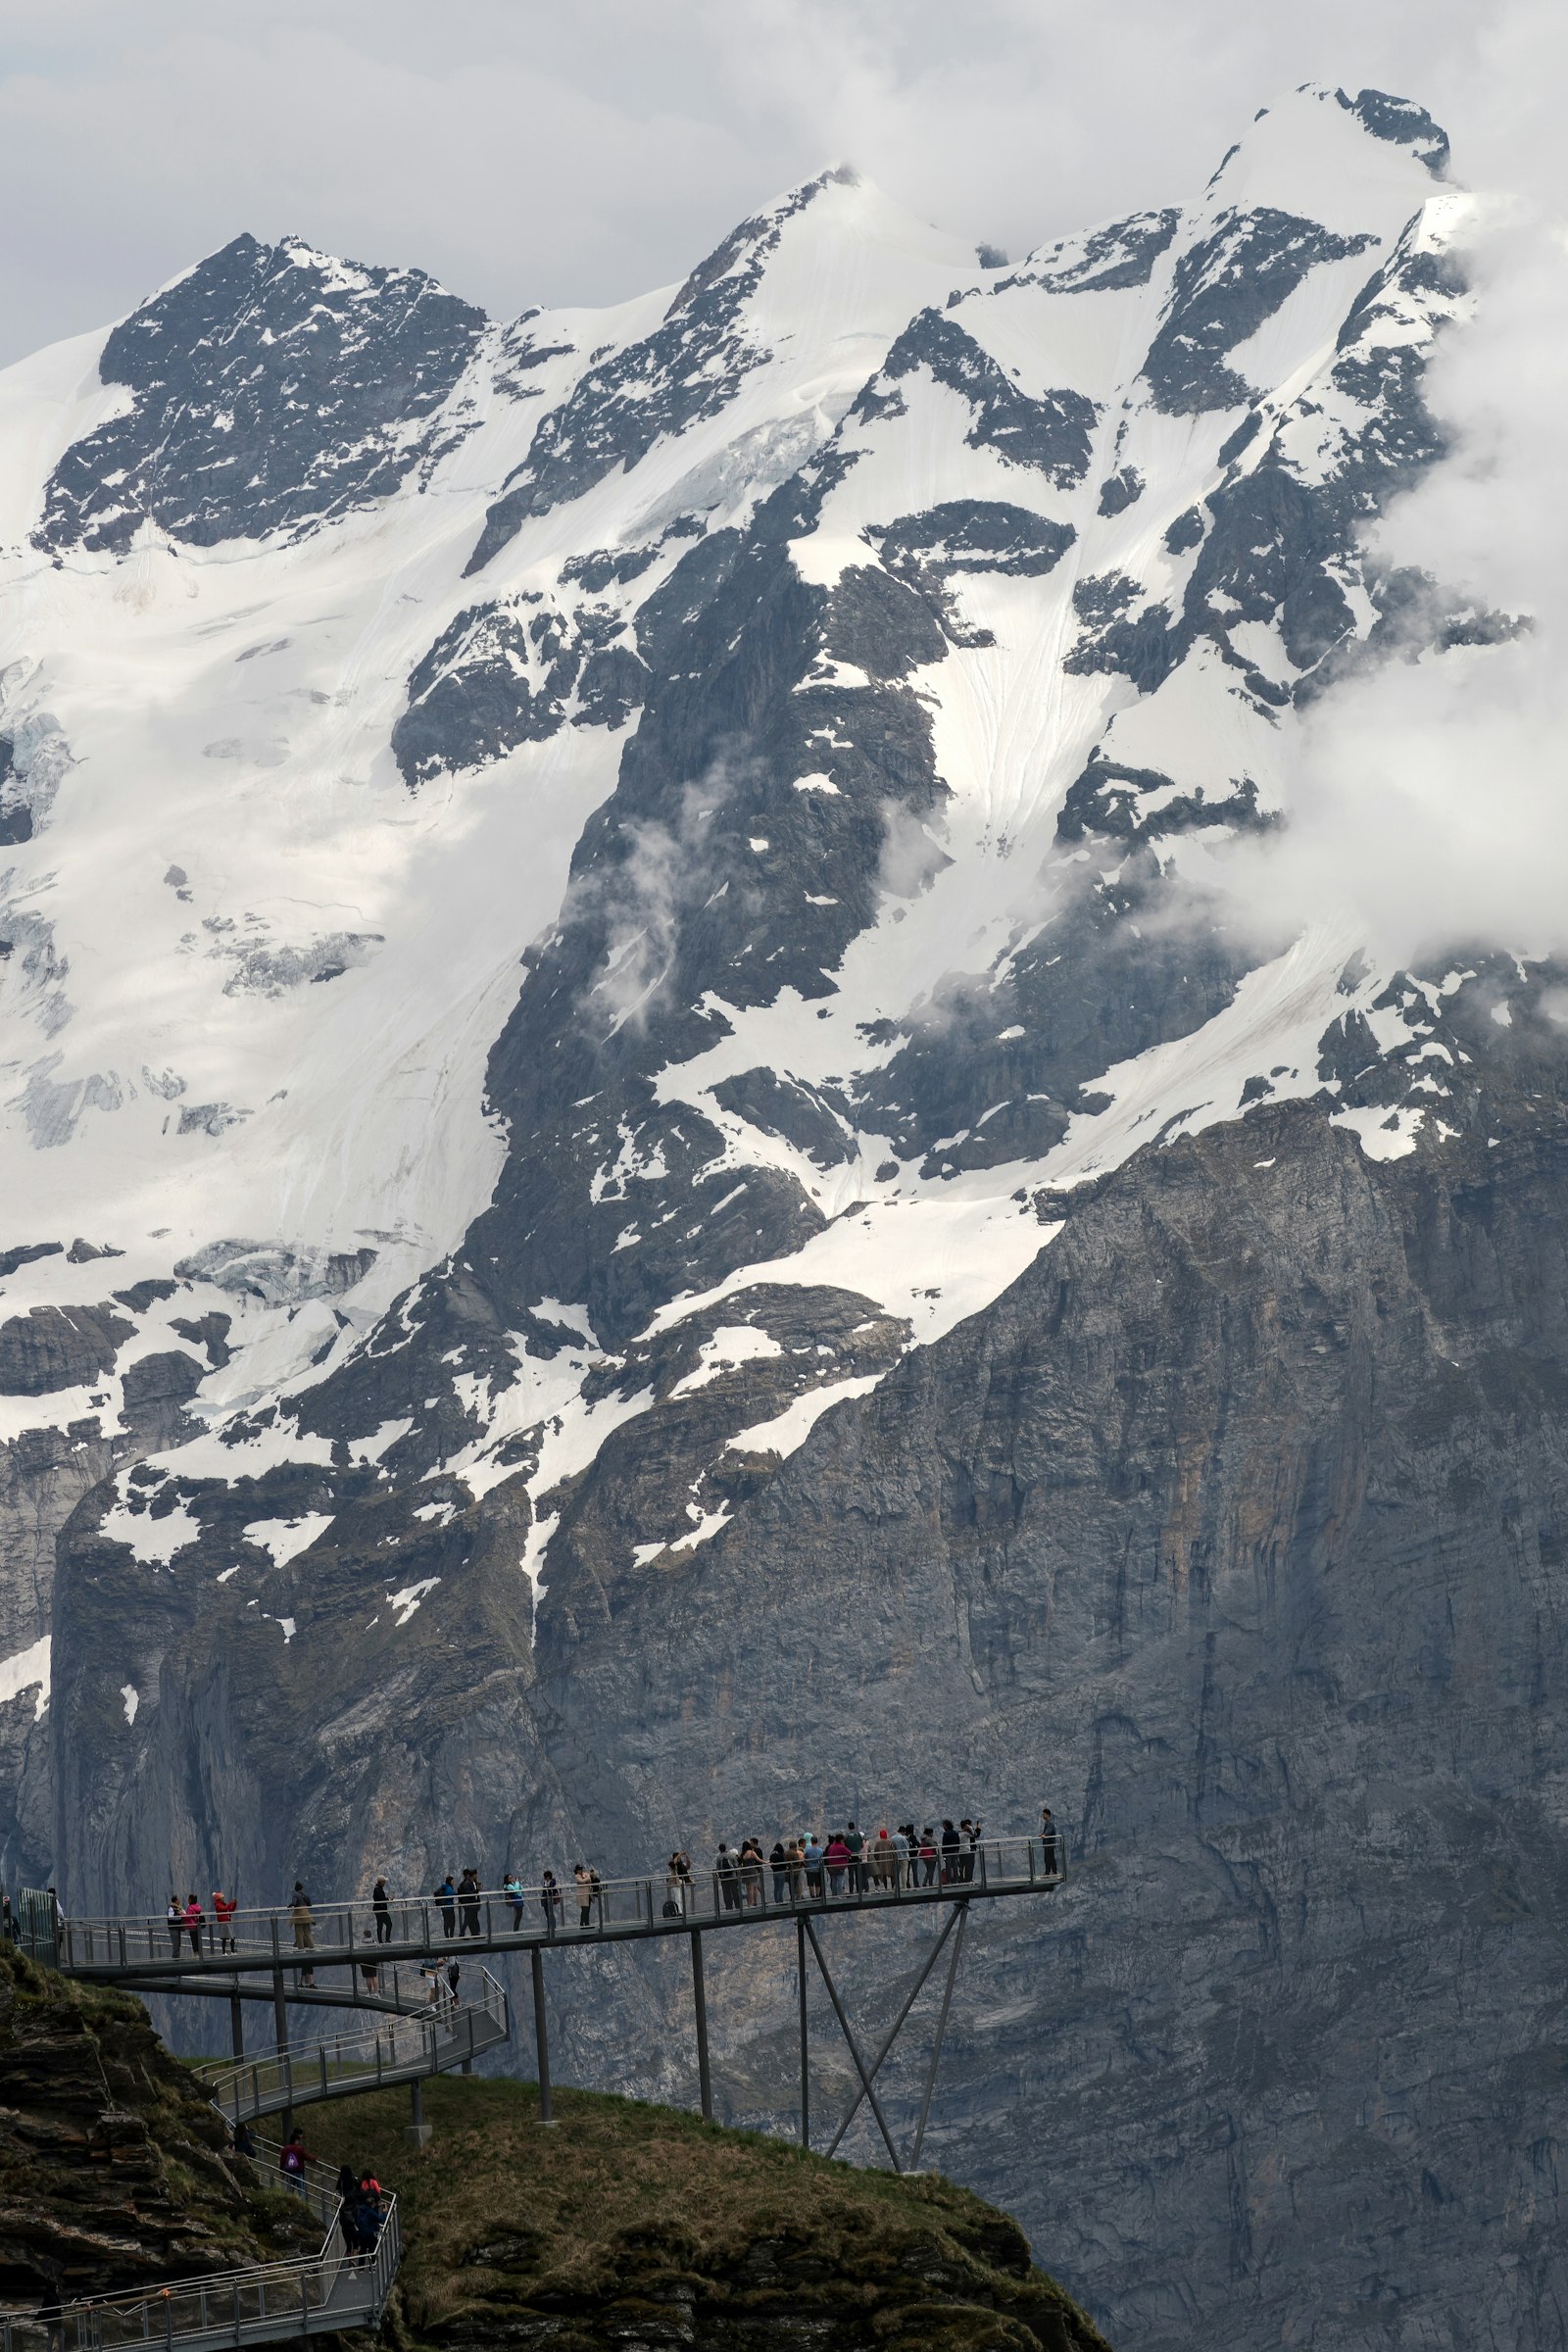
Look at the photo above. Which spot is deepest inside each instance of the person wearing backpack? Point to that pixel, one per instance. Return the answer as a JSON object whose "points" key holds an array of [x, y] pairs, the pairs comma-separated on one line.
{"points": [[446, 1898], [292, 2160]]}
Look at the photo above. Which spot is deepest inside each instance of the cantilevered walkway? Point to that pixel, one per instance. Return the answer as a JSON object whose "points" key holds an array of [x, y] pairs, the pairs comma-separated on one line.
{"points": [[396, 1961]]}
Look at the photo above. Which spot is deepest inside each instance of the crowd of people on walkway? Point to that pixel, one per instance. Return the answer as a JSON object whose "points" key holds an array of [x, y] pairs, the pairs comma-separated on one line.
{"points": [[838, 1865]]}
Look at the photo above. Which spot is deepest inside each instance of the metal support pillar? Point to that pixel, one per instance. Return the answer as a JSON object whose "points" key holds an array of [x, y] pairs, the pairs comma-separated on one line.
{"points": [[942, 2026], [892, 2036], [854, 2048], [280, 2029], [704, 2079], [541, 2036], [416, 2132], [805, 2041]]}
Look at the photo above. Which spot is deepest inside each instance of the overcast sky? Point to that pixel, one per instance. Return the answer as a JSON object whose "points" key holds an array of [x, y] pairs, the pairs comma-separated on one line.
{"points": [[544, 151]]}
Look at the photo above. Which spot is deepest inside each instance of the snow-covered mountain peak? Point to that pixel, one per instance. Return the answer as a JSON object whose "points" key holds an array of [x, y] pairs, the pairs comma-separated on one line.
{"points": [[1350, 163], [819, 673]]}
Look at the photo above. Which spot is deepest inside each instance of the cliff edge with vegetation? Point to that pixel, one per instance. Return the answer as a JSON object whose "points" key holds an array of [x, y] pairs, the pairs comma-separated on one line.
{"points": [[636, 2226]]}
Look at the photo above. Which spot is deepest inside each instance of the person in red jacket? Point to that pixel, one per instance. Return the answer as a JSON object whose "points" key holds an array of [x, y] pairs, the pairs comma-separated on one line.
{"points": [[222, 1913], [293, 2157]]}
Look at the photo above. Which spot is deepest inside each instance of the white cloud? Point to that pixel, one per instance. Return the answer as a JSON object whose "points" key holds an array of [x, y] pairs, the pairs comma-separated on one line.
{"points": [[526, 152]]}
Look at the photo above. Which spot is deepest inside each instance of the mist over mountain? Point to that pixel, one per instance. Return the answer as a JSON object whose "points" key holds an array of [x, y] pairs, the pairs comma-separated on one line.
{"points": [[762, 1061]]}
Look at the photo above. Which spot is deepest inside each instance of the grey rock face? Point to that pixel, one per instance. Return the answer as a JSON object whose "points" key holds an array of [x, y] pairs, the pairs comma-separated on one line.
{"points": [[690, 367], [1049, 435], [1224, 289], [269, 388], [1402, 122], [1200, 1533], [1121, 255]]}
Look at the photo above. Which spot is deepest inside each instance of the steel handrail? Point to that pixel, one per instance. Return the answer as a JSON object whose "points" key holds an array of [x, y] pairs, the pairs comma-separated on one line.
{"points": [[296, 2288], [265, 1935], [443, 2035]]}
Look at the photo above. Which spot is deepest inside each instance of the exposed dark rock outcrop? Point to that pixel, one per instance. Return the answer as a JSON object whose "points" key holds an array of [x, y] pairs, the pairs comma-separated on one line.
{"points": [[113, 2165]]}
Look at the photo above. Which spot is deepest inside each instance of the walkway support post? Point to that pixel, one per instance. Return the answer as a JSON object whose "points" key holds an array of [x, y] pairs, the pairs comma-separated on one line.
{"points": [[704, 2079], [281, 2027], [416, 2132], [854, 2048], [806, 2045], [541, 2036], [942, 2026]]}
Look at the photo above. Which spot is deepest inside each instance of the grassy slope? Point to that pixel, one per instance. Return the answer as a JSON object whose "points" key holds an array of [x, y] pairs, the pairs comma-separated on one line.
{"points": [[624, 2213]]}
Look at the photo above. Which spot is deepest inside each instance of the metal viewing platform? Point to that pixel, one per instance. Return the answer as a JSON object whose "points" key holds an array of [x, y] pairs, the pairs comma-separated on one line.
{"points": [[148, 1951], [275, 1954]]}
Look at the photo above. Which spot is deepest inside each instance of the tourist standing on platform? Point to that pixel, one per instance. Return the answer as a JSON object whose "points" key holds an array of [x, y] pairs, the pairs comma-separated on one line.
{"points": [[1047, 1836], [856, 1845], [381, 1905], [752, 1871], [838, 1858], [223, 1909], [586, 1882], [951, 1842], [727, 1872], [512, 1888], [469, 1897], [195, 1919], [446, 1898], [550, 1899], [300, 1919], [812, 1854], [176, 1916], [778, 1862], [292, 2160], [928, 1855]]}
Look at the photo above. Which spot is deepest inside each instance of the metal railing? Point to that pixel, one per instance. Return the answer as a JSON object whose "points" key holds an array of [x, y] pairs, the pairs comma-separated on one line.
{"points": [[323, 2292], [337, 1934], [444, 2035]]}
